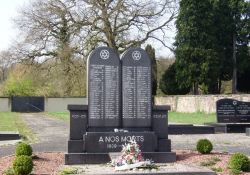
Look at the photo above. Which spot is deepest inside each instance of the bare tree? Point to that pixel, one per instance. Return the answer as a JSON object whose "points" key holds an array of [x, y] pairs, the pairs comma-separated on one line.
{"points": [[122, 24], [68, 30]]}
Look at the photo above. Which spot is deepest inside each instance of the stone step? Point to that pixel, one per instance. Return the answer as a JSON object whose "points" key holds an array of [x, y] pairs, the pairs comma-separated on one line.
{"points": [[9, 135], [100, 158], [190, 129], [163, 169]]}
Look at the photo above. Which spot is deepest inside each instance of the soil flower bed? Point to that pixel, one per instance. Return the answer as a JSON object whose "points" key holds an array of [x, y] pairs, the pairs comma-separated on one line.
{"points": [[53, 163]]}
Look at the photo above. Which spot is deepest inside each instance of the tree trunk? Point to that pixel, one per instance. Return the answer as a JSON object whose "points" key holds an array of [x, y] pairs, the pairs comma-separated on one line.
{"points": [[219, 86], [234, 79], [195, 88]]}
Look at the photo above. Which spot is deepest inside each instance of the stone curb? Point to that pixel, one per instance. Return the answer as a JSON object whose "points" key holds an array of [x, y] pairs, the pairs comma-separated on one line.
{"points": [[9, 135]]}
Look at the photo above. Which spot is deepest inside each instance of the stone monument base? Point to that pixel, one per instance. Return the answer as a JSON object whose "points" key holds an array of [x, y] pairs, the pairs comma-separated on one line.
{"points": [[100, 158], [230, 127], [175, 129], [95, 145]]}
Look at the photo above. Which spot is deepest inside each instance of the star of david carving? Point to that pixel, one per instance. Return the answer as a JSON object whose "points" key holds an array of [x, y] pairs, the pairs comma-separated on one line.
{"points": [[136, 55], [104, 54]]}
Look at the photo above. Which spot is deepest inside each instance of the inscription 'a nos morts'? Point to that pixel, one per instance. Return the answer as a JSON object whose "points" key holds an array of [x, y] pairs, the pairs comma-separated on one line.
{"points": [[104, 88], [136, 88]]}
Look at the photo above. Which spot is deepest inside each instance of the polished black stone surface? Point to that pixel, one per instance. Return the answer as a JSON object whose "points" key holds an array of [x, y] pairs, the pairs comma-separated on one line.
{"points": [[104, 88], [136, 88], [232, 111], [103, 142], [160, 121], [190, 129], [78, 121], [100, 158], [76, 146], [164, 145]]}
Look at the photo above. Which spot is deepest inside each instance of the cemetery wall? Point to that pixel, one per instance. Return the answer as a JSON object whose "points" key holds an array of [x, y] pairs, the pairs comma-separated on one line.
{"points": [[5, 104], [60, 104], [196, 103], [179, 103]]}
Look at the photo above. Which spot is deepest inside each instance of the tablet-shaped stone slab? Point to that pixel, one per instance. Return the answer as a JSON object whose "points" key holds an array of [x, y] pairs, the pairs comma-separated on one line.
{"points": [[136, 88], [226, 110], [104, 88]]}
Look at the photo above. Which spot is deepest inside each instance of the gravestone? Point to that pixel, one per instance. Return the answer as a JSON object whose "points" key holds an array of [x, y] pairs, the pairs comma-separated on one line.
{"points": [[136, 88], [104, 88], [232, 111], [119, 110]]}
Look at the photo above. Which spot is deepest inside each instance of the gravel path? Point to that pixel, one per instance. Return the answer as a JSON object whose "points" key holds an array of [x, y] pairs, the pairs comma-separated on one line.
{"points": [[52, 134], [222, 142]]}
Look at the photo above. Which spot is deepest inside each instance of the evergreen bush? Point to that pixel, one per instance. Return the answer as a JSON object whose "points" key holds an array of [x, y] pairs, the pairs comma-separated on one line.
{"points": [[204, 146]]}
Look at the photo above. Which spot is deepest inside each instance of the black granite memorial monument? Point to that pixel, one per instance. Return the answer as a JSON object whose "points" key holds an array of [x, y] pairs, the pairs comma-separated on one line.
{"points": [[232, 111], [119, 110], [233, 116]]}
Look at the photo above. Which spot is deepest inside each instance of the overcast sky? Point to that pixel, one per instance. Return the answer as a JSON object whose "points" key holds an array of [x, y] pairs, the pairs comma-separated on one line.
{"points": [[8, 32], [8, 10]]}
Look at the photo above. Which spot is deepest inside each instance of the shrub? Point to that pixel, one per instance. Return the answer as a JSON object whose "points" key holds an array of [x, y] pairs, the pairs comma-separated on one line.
{"points": [[68, 170], [23, 165], [23, 149], [204, 146], [9, 171], [239, 162]]}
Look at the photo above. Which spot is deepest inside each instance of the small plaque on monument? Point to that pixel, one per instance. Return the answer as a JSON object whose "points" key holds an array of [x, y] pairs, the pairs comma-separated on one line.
{"points": [[104, 88], [136, 88]]}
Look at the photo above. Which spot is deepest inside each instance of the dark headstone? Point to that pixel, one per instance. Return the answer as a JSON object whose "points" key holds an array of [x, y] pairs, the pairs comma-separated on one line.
{"points": [[102, 142], [232, 111], [78, 121], [136, 88], [104, 88], [225, 110], [160, 121]]}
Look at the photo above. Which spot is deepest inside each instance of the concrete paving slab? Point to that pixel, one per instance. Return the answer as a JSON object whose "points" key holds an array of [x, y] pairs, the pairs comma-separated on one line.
{"points": [[163, 169]]}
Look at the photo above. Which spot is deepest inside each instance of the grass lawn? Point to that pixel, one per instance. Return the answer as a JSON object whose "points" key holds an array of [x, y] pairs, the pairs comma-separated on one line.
{"points": [[8, 121], [11, 121], [191, 118], [59, 115]]}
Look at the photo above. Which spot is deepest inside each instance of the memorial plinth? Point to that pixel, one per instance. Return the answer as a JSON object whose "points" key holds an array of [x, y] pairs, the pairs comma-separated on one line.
{"points": [[119, 110]]}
